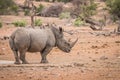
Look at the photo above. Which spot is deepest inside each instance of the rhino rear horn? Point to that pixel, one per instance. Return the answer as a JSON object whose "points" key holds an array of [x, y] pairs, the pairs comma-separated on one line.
{"points": [[72, 44]]}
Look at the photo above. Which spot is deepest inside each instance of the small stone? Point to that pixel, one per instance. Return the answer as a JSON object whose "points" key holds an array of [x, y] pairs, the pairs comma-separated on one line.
{"points": [[2, 53], [96, 52], [78, 64], [45, 76], [30, 77], [2, 76], [78, 53], [82, 71], [94, 60], [103, 58]]}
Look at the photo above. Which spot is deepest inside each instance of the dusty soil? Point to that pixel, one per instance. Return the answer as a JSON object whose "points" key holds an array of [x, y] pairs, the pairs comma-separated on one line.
{"points": [[95, 56]]}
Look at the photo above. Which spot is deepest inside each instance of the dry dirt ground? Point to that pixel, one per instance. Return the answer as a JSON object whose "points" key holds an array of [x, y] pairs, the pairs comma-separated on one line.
{"points": [[94, 57]]}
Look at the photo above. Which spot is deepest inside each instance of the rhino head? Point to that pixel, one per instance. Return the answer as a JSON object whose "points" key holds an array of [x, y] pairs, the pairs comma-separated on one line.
{"points": [[61, 43]]}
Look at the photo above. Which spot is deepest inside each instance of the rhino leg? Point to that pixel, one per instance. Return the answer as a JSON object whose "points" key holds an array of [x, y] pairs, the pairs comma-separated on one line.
{"points": [[44, 53], [16, 57], [22, 57]]}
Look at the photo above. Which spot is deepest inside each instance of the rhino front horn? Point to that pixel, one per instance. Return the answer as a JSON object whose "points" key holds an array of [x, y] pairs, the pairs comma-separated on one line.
{"points": [[72, 44]]}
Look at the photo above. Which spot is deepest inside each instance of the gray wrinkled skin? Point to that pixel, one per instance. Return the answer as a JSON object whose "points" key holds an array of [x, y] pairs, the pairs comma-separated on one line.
{"points": [[37, 40]]}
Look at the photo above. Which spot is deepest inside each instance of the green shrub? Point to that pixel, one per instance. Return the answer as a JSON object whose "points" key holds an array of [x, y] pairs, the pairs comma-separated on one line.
{"points": [[21, 23], [64, 15], [26, 12], [0, 24], [78, 22], [40, 8], [37, 0], [38, 22], [114, 7], [86, 8], [65, 1], [7, 6], [90, 9], [14, 8], [47, 0]]}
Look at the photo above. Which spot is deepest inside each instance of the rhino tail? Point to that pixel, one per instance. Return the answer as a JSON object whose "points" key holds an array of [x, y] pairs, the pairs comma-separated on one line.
{"points": [[12, 44]]}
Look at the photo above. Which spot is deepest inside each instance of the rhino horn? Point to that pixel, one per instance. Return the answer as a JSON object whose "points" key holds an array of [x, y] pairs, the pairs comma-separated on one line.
{"points": [[73, 43]]}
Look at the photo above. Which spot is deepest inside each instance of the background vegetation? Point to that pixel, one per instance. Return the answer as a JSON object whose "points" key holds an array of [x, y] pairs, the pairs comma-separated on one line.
{"points": [[114, 7], [8, 7]]}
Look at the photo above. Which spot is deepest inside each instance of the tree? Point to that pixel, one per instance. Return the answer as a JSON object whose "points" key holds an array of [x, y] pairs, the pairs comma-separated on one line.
{"points": [[114, 7], [7, 7]]}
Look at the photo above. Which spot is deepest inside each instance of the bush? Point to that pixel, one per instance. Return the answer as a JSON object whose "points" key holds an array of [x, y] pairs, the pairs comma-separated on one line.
{"points": [[114, 7], [26, 12], [0, 24], [14, 8], [65, 15], [89, 9], [7, 6], [40, 8], [65, 1], [37, 0], [38, 22], [78, 22], [47, 0], [84, 7], [21, 23]]}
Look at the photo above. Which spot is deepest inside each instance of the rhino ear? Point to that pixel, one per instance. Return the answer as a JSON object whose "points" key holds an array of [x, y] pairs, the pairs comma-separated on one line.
{"points": [[61, 30]]}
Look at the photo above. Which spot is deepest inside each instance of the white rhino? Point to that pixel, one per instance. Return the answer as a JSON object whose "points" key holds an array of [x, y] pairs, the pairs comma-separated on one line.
{"points": [[37, 40]]}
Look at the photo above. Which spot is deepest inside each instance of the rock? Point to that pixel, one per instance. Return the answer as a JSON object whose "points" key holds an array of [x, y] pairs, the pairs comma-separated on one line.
{"points": [[82, 71], [103, 58], [94, 60], [94, 47], [5, 37], [2, 54], [2, 77], [78, 53], [78, 64]]}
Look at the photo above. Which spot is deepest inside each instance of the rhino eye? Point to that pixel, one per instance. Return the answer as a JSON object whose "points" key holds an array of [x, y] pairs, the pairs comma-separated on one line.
{"points": [[68, 44], [65, 42]]}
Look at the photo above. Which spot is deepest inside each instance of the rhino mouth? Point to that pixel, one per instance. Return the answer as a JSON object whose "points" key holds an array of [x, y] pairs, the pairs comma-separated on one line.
{"points": [[67, 50]]}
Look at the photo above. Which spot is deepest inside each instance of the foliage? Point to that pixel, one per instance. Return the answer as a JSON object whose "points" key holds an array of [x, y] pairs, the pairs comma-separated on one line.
{"points": [[26, 12], [14, 8], [114, 7], [78, 22], [65, 1], [21, 23], [77, 2], [40, 8], [65, 15], [90, 9], [84, 8], [7, 6], [47, 0], [38, 22], [0, 24], [37, 0]]}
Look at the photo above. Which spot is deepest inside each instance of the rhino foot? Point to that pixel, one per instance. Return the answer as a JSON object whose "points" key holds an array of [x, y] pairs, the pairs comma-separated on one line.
{"points": [[44, 61], [17, 62], [25, 62]]}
